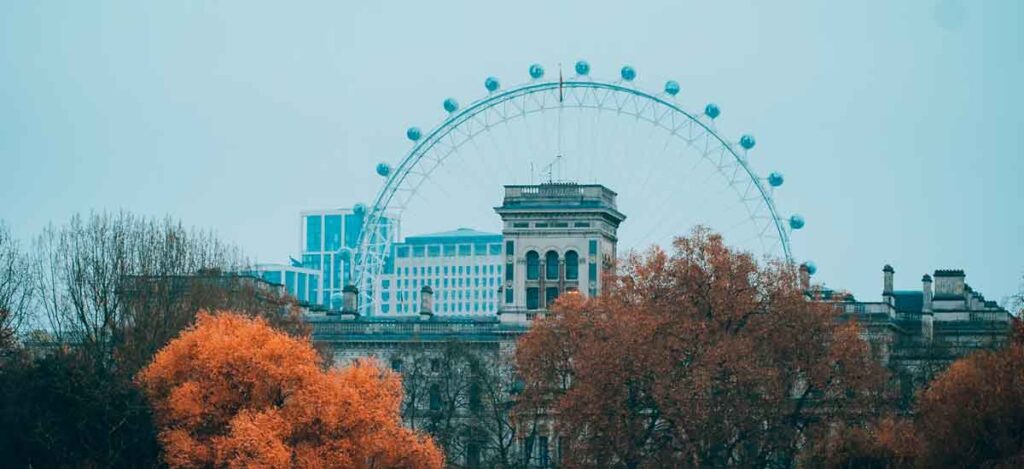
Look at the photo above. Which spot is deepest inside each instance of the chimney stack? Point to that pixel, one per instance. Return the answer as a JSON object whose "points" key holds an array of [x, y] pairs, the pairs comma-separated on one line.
{"points": [[350, 301], [426, 303], [926, 291], [887, 274]]}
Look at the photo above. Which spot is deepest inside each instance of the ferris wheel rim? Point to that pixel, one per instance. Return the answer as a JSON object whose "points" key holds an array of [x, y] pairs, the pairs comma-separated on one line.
{"points": [[457, 117]]}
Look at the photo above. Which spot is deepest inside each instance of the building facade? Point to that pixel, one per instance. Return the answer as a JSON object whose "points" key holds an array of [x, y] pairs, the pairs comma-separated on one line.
{"points": [[559, 237], [328, 240], [301, 283], [463, 267]]}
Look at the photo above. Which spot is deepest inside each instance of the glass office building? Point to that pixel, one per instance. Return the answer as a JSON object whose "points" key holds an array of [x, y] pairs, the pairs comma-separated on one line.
{"points": [[301, 283], [463, 268], [328, 241]]}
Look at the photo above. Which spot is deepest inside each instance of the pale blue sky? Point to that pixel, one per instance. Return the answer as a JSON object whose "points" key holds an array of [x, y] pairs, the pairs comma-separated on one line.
{"points": [[897, 123]]}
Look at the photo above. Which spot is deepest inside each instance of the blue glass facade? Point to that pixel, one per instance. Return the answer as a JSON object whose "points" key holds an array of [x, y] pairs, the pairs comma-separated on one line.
{"points": [[329, 239], [299, 282]]}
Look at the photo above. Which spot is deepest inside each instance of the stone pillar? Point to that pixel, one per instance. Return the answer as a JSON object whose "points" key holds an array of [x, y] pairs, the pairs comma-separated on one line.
{"points": [[350, 301], [927, 317], [426, 303]]}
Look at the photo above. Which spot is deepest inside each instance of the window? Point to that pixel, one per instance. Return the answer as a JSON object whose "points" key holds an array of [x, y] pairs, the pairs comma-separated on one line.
{"points": [[540, 225], [494, 249], [592, 271], [532, 298], [532, 265], [301, 294], [480, 249], [592, 247], [435, 397], [509, 248], [551, 263], [508, 272], [473, 455], [509, 296], [314, 232], [560, 225], [289, 281], [433, 251], [550, 294], [582, 224], [435, 365], [449, 251], [572, 265], [353, 226], [520, 225], [332, 232], [417, 251], [542, 450], [403, 251], [474, 397], [396, 365], [464, 249], [272, 276], [311, 261]]}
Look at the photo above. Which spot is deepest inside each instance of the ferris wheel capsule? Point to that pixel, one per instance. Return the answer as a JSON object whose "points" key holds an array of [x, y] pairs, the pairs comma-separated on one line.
{"points": [[383, 169], [811, 267], [536, 71], [582, 68], [492, 84], [672, 87], [747, 141], [775, 179], [451, 105], [796, 222], [712, 111], [413, 133], [628, 73]]}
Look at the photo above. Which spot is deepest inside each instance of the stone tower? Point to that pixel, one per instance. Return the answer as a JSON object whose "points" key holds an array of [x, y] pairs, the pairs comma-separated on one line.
{"points": [[559, 238]]}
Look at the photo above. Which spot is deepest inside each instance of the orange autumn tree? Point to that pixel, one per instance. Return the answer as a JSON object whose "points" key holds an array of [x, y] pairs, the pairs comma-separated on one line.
{"points": [[696, 358], [232, 391]]}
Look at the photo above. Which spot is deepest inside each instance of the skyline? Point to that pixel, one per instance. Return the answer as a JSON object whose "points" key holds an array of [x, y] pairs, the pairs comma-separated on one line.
{"points": [[883, 117]]}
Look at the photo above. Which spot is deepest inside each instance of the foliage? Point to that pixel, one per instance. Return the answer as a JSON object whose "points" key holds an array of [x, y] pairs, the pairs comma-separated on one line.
{"points": [[460, 394], [109, 290], [15, 289], [971, 415], [699, 358], [62, 409], [232, 391]]}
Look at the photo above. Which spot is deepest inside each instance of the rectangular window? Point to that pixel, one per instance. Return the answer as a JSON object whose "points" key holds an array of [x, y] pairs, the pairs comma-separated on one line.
{"points": [[302, 293], [311, 261], [510, 248], [314, 233], [508, 272], [582, 224], [592, 271], [434, 251], [540, 225], [550, 294], [338, 272], [332, 232], [542, 451], [272, 276], [402, 251], [509, 296], [289, 282], [560, 225], [480, 249], [532, 298], [464, 249], [417, 251], [449, 250], [353, 225], [592, 247], [494, 249], [520, 225]]}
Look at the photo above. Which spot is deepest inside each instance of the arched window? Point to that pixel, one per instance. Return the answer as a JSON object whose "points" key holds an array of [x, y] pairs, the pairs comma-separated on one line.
{"points": [[572, 265], [551, 262], [532, 265]]}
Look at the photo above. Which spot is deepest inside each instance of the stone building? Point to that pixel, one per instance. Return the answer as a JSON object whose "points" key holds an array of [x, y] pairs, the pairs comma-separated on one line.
{"points": [[560, 238]]}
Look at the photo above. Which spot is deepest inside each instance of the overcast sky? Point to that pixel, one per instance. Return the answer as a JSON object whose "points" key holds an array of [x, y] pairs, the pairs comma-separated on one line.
{"points": [[897, 123]]}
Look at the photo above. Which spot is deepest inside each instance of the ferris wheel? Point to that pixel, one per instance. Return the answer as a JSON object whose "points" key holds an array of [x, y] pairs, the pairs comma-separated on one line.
{"points": [[672, 168]]}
